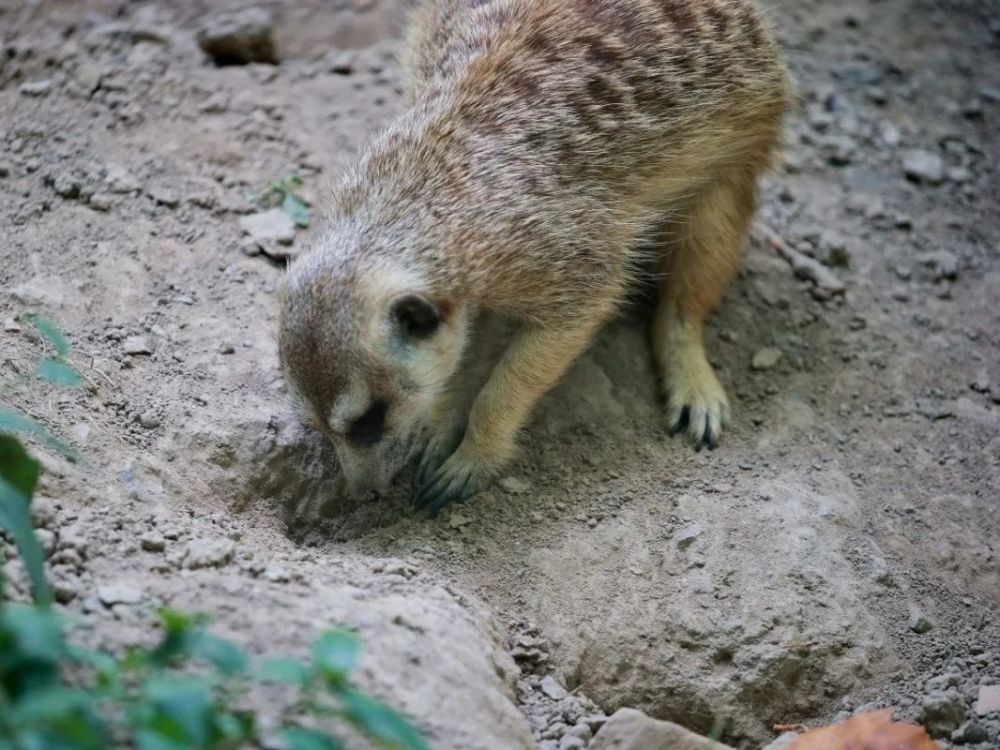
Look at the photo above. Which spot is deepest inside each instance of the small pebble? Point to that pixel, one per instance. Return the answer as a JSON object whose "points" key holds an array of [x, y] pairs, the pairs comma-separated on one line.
{"points": [[765, 359], [135, 345], [514, 485], [923, 166], [552, 688]]}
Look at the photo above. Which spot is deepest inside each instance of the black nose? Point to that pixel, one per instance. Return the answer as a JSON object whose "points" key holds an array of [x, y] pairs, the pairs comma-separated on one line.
{"points": [[369, 428]]}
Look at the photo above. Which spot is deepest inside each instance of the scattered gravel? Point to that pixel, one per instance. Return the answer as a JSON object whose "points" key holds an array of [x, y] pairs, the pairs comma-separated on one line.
{"points": [[208, 553]]}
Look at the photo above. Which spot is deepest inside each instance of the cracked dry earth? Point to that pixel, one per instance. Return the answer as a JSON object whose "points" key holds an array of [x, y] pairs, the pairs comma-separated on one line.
{"points": [[838, 552]]}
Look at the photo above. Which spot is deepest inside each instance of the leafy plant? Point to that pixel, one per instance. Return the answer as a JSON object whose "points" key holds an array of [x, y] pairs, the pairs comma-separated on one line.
{"points": [[284, 193], [181, 694]]}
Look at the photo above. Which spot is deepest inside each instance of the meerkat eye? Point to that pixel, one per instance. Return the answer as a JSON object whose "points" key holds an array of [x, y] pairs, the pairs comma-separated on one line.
{"points": [[368, 429], [416, 315]]}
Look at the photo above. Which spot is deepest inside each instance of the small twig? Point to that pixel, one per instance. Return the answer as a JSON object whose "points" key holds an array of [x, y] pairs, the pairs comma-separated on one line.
{"points": [[803, 266], [89, 379], [103, 375], [779, 728]]}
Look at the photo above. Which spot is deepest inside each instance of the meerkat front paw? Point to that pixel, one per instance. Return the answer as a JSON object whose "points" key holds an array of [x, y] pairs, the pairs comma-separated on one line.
{"points": [[696, 402], [438, 446], [455, 481]]}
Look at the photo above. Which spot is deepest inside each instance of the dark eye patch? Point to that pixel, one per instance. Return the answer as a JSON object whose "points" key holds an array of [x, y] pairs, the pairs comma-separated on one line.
{"points": [[369, 428], [416, 316]]}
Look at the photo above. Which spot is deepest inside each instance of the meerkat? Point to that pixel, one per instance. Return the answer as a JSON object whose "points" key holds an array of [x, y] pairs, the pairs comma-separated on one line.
{"points": [[541, 141]]}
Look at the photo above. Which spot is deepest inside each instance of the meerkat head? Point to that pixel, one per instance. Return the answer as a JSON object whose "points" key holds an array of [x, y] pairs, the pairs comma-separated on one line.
{"points": [[367, 351]]}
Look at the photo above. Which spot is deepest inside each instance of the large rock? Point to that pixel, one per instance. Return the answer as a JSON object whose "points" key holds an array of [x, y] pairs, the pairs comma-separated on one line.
{"points": [[435, 656], [629, 729], [758, 618]]}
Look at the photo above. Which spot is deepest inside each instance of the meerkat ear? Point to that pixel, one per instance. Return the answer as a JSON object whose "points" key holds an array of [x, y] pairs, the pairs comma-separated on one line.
{"points": [[416, 315]]}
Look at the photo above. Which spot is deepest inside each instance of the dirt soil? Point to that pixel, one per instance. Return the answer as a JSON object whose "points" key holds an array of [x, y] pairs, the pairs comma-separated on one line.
{"points": [[838, 552]]}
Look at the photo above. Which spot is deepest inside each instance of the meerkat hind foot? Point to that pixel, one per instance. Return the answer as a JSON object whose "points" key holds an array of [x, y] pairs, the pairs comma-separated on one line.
{"points": [[696, 403]]}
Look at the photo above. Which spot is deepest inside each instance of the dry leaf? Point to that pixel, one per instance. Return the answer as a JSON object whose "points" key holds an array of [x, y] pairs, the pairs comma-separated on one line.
{"points": [[870, 731]]}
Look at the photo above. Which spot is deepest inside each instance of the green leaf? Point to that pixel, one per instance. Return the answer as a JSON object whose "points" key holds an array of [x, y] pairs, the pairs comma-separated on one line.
{"points": [[298, 738], [240, 725], [34, 634], [151, 739], [176, 622], [287, 671], [181, 708], [58, 373], [381, 724], [17, 467], [50, 704], [296, 208], [225, 656], [50, 332], [336, 653], [12, 421], [18, 475]]}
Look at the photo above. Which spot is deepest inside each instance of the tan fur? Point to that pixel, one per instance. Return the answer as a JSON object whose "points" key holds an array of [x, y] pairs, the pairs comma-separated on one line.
{"points": [[543, 139]]}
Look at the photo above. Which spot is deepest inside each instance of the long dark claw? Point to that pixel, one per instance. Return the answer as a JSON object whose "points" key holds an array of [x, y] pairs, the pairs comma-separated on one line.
{"points": [[438, 493], [710, 439], [682, 421]]}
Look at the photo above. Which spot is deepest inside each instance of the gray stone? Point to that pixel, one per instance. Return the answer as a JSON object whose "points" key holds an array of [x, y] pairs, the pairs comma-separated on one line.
{"points": [[941, 712], [553, 689], [687, 536], [923, 166], [240, 37], [135, 345], [164, 196], [101, 202], [66, 185], [943, 264], [65, 588], [47, 539], [276, 574], [120, 180], [628, 729], [150, 420], [119, 593], [988, 700], [569, 742], [208, 553], [765, 358], [48, 291], [36, 88], [152, 542], [273, 225], [514, 485], [919, 622], [973, 733]]}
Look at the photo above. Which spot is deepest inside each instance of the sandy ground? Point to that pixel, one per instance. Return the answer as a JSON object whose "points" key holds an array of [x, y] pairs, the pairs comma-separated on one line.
{"points": [[840, 549]]}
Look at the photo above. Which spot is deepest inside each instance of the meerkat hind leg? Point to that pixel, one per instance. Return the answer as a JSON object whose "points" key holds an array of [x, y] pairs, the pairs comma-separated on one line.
{"points": [[532, 363], [697, 268]]}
